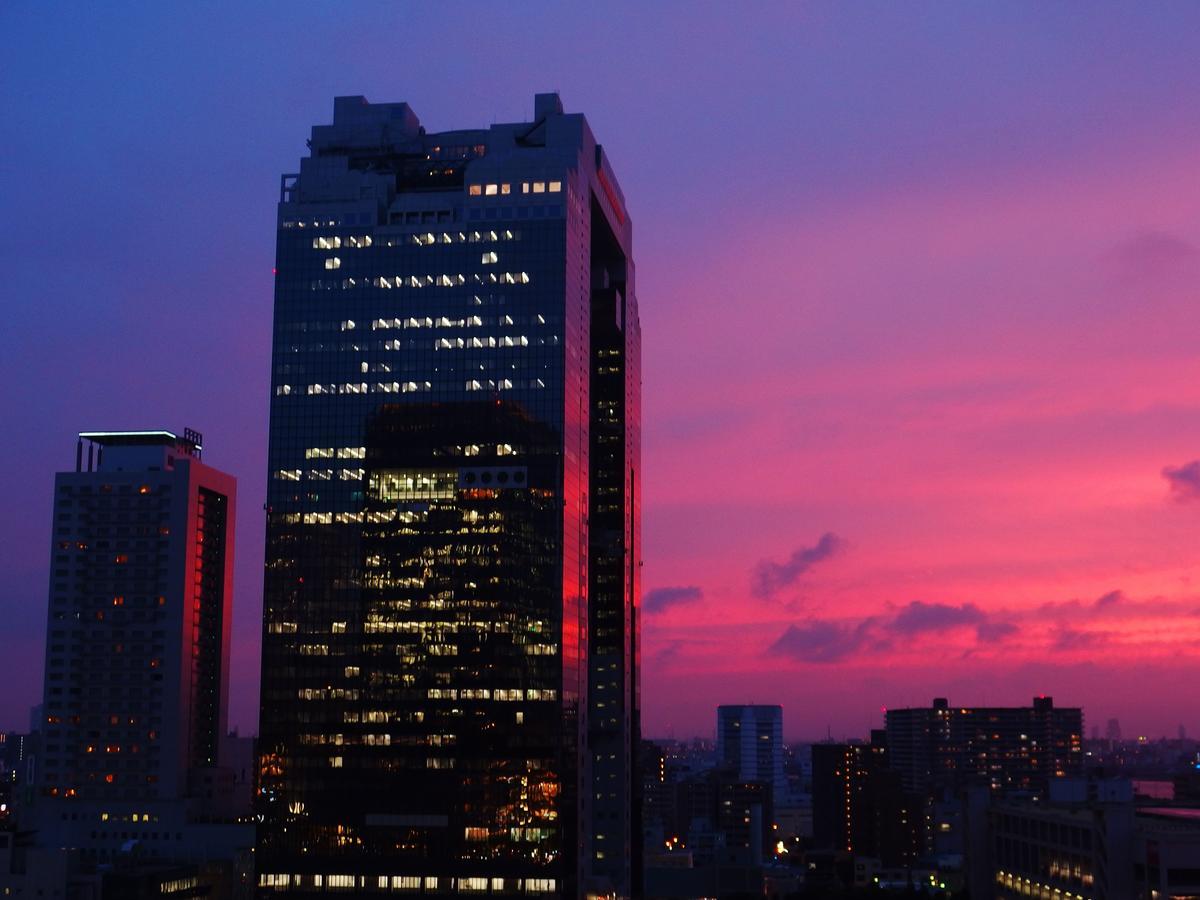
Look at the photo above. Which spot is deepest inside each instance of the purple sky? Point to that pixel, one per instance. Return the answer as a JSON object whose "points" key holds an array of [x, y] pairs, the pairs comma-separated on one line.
{"points": [[919, 293]]}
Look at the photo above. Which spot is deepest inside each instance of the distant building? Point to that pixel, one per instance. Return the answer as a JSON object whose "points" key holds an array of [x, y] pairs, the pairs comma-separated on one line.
{"points": [[860, 806], [137, 648], [750, 741], [1020, 747], [710, 812], [657, 795], [15, 759]]}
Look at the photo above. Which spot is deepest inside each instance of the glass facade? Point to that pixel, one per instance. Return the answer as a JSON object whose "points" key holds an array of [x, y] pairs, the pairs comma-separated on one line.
{"points": [[426, 611]]}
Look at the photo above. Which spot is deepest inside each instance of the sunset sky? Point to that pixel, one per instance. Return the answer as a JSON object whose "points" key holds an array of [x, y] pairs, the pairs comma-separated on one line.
{"points": [[920, 295]]}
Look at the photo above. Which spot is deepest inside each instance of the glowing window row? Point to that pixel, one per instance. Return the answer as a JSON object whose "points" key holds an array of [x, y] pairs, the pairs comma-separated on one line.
{"points": [[374, 517], [375, 740], [1030, 888], [477, 884], [442, 628], [483, 694], [327, 694], [409, 387], [426, 322], [508, 340], [504, 188], [333, 242], [392, 345], [428, 238], [380, 517], [399, 281], [388, 282], [321, 474], [335, 453]]}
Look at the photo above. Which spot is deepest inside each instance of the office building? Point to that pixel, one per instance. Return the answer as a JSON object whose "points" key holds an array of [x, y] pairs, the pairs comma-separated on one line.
{"points": [[1085, 838], [1007, 748], [137, 645], [450, 694], [750, 740]]}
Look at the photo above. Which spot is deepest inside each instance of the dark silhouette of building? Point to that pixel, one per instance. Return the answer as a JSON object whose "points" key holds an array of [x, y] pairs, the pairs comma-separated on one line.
{"points": [[450, 694], [750, 740], [860, 805], [1005, 747], [1085, 838], [657, 796]]}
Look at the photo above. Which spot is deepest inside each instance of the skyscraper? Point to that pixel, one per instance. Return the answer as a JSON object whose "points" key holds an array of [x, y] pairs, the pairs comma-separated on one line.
{"points": [[137, 642], [450, 695], [750, 740]]}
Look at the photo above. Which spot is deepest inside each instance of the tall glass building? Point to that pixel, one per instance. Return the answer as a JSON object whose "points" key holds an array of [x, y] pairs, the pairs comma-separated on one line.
{"points": [[137, 651], [450, 654]]}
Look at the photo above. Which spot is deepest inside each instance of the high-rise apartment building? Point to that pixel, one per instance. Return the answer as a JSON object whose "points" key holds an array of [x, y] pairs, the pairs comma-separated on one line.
{"points": [[137, 643], [750, 741], [450, 693], [1019, 747]]}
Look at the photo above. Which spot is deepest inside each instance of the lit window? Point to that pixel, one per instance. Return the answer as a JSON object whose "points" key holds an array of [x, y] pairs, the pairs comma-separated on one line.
{"points": [[555, 187], [334, 262], [506, 189], [491, 189], [539, 187], [475, 190], [489, 257]]}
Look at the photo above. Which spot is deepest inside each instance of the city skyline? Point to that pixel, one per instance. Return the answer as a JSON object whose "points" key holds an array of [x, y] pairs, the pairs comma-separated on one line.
{"points": [[920, 401]]}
